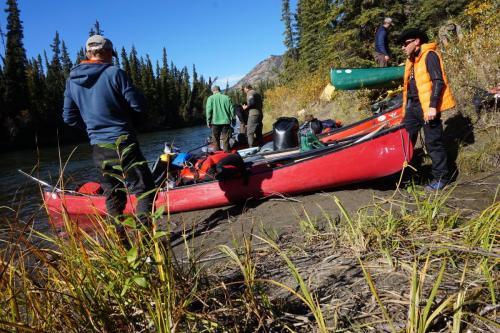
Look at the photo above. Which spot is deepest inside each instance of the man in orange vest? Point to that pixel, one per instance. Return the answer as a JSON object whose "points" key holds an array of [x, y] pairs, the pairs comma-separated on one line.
{"points": [[426, 93]]}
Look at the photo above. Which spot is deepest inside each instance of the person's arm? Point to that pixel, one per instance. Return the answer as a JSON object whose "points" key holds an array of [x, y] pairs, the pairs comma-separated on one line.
{"points": [[231, 109], [209, 111], [134, 98], [71, 113], [436, 74]]}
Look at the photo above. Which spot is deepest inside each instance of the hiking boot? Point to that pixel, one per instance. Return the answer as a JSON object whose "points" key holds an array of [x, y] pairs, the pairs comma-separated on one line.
{"points": [[436, 185]]}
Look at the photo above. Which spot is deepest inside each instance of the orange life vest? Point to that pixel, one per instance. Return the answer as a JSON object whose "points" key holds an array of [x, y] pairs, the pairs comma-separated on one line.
{"points": [[202, 167], [424, 83]]}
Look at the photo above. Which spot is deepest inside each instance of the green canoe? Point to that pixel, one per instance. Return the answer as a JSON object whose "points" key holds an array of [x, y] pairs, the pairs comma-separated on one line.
{"points": [[375, 77]]}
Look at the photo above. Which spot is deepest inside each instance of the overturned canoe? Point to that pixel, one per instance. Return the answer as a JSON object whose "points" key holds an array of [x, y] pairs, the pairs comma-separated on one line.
{"points": [[374, 77]]}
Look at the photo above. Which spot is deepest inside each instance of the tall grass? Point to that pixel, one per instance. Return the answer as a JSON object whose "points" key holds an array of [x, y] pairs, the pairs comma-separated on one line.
{"points": [[302, 96], [92, 282], [474, 60]]}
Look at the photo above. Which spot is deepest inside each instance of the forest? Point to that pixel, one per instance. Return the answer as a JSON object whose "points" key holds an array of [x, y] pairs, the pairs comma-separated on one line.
{"points": [[31, 90]]}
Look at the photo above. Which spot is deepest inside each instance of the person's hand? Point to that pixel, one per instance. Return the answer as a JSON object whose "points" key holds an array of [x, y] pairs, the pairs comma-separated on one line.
{"points": [[244, 106], [208, 125], [387, 58], [431, 115]]}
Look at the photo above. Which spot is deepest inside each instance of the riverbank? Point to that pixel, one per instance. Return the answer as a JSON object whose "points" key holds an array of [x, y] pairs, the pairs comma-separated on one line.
{"points": [[365, 257], [368, 256]]}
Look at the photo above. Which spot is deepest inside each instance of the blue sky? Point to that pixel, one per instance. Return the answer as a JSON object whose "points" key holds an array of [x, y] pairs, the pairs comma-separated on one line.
{"points": [[223, 38]]}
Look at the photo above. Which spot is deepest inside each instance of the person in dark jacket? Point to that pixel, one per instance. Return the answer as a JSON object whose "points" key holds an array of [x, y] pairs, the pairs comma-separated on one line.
{"points": [[242, 117], [100, 98], [255, 116], [426, 93], [382, 55]]}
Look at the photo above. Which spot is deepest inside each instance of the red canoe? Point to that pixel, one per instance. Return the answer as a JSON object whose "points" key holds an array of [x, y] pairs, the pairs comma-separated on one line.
{"points": [[380, 153]]}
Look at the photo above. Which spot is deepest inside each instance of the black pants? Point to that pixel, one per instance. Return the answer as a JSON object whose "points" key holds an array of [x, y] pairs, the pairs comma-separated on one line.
{"points": [[134, 172], [221, 132], [433, 132], [254, 128]]}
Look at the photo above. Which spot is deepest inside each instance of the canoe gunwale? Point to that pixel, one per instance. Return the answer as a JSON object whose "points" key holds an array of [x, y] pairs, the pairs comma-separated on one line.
{"points": [[300, 157]]}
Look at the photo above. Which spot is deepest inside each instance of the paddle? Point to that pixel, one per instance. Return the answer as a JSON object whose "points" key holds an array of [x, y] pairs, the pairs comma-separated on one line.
{"points": [[44, 184]]}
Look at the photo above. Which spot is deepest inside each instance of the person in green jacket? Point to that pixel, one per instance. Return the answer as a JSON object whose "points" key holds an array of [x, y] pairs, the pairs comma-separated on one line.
{"points": [[219, 112]]}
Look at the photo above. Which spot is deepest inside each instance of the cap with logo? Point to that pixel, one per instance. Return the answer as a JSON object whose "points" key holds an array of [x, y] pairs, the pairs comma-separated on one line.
{"points": [[98, 42]]}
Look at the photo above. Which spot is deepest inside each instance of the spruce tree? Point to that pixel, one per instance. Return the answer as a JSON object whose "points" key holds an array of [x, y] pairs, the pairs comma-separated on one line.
{"points": [[149, 90], [165, 88], [37, 89], [55, 89], [14, 73], [135, 65], [97, 28], [116, 60], [80, 56], [125, 62], [286, 18], [311, 21], [66, 60]]}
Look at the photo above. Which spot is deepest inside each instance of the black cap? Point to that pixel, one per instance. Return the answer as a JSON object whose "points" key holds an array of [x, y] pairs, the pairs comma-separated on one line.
{"points": [[413, 33]]}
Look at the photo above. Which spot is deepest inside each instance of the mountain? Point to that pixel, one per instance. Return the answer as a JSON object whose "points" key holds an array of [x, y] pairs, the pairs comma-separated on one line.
{"points": [[267, 69]]}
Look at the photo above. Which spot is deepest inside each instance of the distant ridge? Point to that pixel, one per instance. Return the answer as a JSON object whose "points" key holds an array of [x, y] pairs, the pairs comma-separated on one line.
{"points": [[265, 70]]}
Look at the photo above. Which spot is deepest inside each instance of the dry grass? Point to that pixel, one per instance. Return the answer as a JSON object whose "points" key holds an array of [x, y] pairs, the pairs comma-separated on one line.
{"points": [[376, 269], [475, 60], [302, 98]]}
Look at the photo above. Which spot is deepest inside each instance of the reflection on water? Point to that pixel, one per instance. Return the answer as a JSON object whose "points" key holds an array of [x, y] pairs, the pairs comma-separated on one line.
{"points": [[21, 196]]}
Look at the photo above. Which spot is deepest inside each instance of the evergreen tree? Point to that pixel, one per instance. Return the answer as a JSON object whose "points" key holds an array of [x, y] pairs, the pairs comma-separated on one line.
{"points": [[55, 89], [65, 59], [116, 60], [135, 72], [37, 89], [286, 18], [426, 14], [165, 88], [96, 29], [14, 73], [311, 20], [80, 56], [148, 88], [125, 62]]}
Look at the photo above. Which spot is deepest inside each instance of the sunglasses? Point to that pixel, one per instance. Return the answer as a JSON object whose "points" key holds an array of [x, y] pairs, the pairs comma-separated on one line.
{"points": [[408, 42]]}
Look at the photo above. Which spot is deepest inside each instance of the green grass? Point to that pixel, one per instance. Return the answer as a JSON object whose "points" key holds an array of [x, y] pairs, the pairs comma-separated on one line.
{"points": [[91, 282]]}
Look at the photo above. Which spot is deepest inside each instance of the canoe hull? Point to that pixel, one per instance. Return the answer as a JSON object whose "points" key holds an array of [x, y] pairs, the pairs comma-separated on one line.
{"points": [[377, 157], [358, 78]]}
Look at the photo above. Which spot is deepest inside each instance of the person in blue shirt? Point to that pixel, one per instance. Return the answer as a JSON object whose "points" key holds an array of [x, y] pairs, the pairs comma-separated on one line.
{"points": [[382, 55], [100, 98]]}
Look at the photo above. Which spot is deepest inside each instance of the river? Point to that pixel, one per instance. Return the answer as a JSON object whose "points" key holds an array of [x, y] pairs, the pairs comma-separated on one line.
{"points": [[20, 198]]}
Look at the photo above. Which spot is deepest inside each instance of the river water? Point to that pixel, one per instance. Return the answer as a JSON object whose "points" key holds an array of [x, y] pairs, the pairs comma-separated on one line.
{"points": [[20, 198]]}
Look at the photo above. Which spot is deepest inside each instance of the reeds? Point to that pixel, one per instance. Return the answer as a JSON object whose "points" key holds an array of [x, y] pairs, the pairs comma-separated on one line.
{"points": [[447, 266]]}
